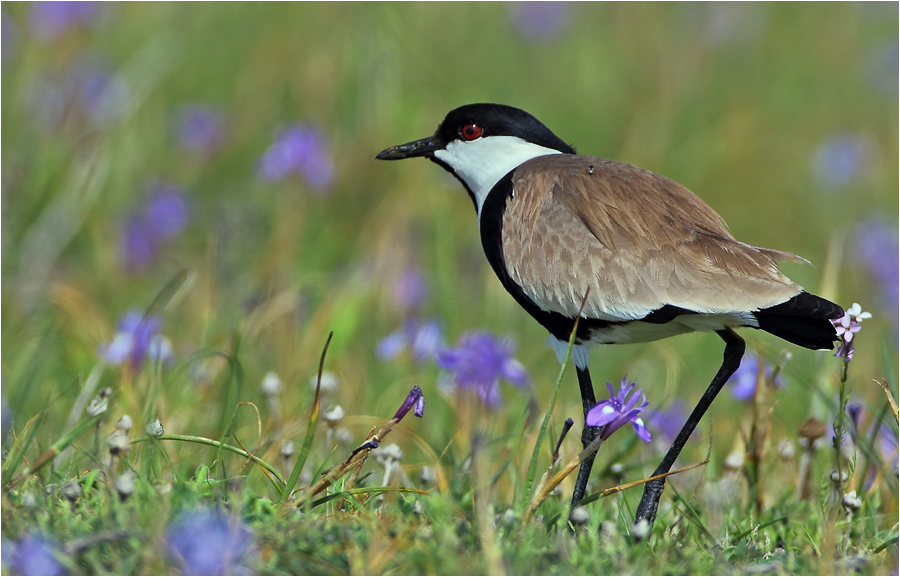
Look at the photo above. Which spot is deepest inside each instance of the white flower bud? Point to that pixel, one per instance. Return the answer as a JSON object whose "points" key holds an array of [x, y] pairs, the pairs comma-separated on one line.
{"points": [[125, 424], [579, 516], [155, 428], [125, 484], [118, 442], [334, 415], [329, 384], [271, 384]]}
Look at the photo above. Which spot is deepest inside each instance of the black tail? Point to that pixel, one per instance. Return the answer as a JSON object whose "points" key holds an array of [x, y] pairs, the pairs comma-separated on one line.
{"points": [[804, 320]]}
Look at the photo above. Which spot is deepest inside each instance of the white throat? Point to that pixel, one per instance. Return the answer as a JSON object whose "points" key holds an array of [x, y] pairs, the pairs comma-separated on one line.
{"points": [[482, 163]]}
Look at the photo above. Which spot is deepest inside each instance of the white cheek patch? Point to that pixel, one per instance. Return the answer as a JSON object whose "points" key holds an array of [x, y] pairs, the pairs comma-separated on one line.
{"points": [[482, 163]]}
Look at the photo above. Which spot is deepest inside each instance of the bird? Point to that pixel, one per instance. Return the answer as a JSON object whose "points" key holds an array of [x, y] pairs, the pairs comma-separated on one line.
{"points": [[632, 255]]}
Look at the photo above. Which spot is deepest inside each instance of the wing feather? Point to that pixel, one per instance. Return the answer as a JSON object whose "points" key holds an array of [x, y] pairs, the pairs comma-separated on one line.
{"points": [[636, 240]]}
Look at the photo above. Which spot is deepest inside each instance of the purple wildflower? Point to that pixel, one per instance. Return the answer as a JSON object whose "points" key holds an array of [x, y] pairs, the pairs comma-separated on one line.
{"points": [[743, 380], [539, 21], [876, 244], [887, 442], [163, 218], [479, 362], [839, 160], [136, 338], [848, 325], [410, 290], [613, 413], [167, 211], [205, 542], [200, 128], [300, 150], [425, 338], [414, 398], [667, 423], [33, 554], [51, 19], [844, 351], [87, 89]]}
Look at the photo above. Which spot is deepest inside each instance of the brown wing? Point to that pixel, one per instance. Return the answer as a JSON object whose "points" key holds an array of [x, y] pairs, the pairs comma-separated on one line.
{"points": [[637, 240]]}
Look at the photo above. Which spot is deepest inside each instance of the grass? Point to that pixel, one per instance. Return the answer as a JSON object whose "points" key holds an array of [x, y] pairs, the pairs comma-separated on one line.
{"points": [[734, 102]]}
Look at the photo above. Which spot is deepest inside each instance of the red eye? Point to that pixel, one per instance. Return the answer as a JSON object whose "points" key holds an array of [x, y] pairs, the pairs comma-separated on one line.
{"points": [[470, 131]]}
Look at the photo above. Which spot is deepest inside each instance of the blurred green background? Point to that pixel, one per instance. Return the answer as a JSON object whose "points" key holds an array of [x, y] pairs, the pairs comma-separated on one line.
{"points": [[782, 117]]}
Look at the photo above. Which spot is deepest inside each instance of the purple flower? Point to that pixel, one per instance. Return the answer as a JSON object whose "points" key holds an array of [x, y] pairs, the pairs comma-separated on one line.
{"points": [[844, 351], [205, 542], [839, 160], [539, 21], [848, 325], [88, 89], [613, 413], [298, 150], [743, 381], [136, 337], [876, 244], [33, 554], [164, 217], [887, 446], [410, 289], [479, 362], [415, 397], [425, 338], [167, 211], [51, 19], [200, 128], [667, 422]]}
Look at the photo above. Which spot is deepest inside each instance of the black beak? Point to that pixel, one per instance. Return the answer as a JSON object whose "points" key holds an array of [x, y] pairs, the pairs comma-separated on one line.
{"points": [[421, 147]]}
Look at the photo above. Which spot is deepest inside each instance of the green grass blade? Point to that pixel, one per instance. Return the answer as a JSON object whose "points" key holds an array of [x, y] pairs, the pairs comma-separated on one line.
{"points": [[525, 495], [310, 431]]}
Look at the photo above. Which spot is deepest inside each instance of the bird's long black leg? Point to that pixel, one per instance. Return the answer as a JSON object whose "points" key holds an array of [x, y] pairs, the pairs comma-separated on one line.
{"points": [[734, 350], [588, 434]]}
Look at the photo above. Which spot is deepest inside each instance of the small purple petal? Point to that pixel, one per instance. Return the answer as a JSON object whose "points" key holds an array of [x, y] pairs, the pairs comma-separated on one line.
{"points": [[478, 362], [32, 555], [208, 542], [427, 340], [839, 160], [641, 430], [392, 345], [602, 414], [420, 406], [52, 18], [300, 150], [132, 341], [167, 211], [200, 128], [410, 290], [668, 422], [139, 244], [539, 21], [743, 381], [414, 398], [613, 413]]}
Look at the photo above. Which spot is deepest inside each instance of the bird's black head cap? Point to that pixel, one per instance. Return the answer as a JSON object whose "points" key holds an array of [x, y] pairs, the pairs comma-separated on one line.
{"points": [[499, 120]]}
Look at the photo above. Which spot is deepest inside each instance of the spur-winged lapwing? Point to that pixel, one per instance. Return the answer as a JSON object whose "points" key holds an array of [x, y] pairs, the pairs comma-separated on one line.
{"points": [[651, 258]]}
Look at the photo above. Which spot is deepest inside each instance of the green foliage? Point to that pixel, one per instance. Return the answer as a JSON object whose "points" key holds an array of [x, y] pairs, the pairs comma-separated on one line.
{"points": [[734, 102]]}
